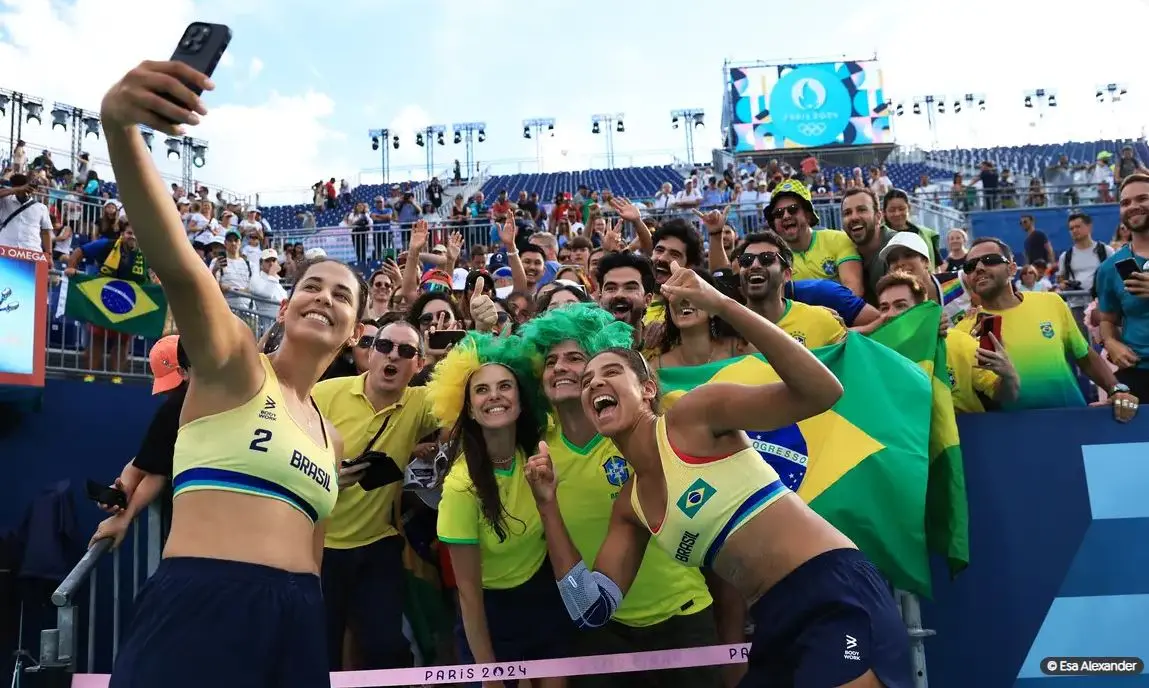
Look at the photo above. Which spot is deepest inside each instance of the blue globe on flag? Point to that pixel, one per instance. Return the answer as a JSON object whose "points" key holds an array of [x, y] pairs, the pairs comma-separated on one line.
{"points": [[786, 451], [118, 297]]}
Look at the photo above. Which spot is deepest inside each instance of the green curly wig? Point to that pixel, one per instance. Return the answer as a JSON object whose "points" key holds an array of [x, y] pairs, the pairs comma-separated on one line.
{"points": [[447, 388], [586, 324]]}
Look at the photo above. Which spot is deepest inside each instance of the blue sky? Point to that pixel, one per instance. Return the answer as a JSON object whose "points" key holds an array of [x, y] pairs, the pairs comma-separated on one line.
{"points": [[303, 82]]}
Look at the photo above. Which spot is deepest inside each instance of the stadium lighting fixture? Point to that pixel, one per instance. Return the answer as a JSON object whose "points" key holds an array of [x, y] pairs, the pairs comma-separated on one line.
{"points": [[900, 110], [419, 140], [690, 116], [374, 143], [941, 105], [458, 136], [620, 127], [674, 122], [148, 135], [537, 124], [465, 134], [482, 134], [439, 139], [173, 146], [199, 153], [957, 107], [91, 125], [60, 118], [395, 142], [4, 100], [379, 143], [917, 107], [608, 124], [32, 112], [594, 128], [551, 129]]}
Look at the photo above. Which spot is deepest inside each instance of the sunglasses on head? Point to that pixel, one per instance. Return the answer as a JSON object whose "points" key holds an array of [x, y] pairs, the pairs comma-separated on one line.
{"points": [[386, 346], [989, 260], [792, 209], [765, 259], [436, 287]]}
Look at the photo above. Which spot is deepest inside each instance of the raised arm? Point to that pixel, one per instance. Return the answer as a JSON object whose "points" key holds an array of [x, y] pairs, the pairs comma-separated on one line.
{"points": [[807, 387], [589, 596], [218, 344]]}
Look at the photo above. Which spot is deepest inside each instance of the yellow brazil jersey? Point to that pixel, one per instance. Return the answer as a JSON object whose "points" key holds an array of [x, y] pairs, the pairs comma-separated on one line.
{"points": [[1038, 334], [828, 250], [590, 479], [655, 312], [966, 379], [511, 562], [708, 499], [257, 448], [362, 517], [812, 326]]}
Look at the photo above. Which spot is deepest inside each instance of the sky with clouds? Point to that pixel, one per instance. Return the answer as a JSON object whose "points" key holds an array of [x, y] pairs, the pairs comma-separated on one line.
{"points": [[303, 82]]}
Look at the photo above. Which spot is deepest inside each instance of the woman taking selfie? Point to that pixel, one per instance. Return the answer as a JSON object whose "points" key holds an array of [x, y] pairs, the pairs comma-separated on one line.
{"points": [[236, 598], [485, 392], [703, 494]]}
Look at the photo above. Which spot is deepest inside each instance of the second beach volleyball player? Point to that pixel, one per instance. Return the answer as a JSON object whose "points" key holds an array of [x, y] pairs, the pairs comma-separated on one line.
{"points": [[823, 615], [236, 599]]}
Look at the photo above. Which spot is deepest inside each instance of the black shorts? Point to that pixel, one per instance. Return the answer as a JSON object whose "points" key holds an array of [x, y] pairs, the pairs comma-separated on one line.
{"points": [[683, 630], [827, 623], [210, 622]]}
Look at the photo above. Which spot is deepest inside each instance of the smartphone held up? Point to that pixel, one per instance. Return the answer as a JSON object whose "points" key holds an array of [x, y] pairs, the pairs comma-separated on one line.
{"points": [[201, 47]]}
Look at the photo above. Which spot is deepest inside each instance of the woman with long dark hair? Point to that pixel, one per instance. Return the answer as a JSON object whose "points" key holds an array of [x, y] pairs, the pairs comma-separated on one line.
{"points": [[485, 392], [237, 594], [701, 492]]}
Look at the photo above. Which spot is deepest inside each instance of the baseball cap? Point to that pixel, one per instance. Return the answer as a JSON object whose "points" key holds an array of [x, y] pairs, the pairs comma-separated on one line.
{"points": [[439, 248], [313, 253], [267, 253], [503, 273], [216, 239], [908, 240], [164, 362], [231, 233], [496, 260]]}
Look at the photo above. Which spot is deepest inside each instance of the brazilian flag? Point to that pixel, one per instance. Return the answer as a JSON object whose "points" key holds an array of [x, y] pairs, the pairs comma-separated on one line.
{"points": [[117, 304], [913, 335], [864, 464]]}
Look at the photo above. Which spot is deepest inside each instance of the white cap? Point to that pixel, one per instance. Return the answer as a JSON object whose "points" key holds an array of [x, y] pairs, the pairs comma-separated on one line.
{"points": [[313, 253], [267, 253], [459, 279], [908, 240], [503, 292], [216, 239]]}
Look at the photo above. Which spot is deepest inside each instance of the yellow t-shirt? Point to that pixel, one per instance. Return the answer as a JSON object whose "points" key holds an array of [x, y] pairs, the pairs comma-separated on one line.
{"points": [[967, 380], [812, 326], [363, 517], [655, 312], [1038, 334], [590, 479], [507, 564], [829, 248]]}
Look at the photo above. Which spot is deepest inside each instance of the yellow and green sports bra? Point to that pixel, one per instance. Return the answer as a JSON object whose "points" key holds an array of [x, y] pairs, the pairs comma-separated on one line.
{"points": [[258, 449], [707, 499]]}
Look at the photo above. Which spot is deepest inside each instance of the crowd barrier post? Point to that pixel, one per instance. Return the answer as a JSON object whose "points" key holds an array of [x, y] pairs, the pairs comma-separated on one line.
{"points": [[911, 610]]}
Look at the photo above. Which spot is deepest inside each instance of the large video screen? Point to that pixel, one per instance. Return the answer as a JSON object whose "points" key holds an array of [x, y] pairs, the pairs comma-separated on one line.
{"points": [[807, 106]]}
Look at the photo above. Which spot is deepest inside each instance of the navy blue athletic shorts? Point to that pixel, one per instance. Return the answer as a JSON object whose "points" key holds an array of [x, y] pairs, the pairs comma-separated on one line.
{"points": [[831, 620], [525, 622], [210, 622]]}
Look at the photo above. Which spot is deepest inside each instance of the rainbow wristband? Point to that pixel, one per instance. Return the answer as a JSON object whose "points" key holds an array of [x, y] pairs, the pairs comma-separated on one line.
{"points": [[684, 658]]}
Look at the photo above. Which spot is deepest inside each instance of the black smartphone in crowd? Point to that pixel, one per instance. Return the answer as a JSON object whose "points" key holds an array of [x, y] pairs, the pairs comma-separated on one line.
{"points": [[1126, 267], [445, 339], [382, 471], [201, 47], [106, 494]]}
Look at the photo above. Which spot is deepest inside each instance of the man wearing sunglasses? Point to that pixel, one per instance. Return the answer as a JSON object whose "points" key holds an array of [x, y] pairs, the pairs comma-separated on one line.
{"points": [[764, 268], [818, 254], [1039, 333], [362, 569]]}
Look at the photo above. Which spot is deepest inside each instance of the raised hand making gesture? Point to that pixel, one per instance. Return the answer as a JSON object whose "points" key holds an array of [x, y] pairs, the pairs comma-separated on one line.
{"points": [[684, 284], [540, 472], [418, 236]]}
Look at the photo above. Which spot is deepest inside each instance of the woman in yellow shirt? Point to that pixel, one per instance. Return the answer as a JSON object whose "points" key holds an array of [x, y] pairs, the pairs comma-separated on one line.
{"points": [[484, 391], [236, 598]]}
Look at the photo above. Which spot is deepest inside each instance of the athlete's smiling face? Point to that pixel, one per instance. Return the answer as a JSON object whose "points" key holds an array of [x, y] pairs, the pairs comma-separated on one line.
{"points": [[494, 397], [562, 370], [323, 307], [614, 395]]}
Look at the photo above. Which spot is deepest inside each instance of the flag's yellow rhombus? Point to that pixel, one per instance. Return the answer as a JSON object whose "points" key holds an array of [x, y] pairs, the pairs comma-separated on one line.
{"points": [[835, 444], [118, 300]]}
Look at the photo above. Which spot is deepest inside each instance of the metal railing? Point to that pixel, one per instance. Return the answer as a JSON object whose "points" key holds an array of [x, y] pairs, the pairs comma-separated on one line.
{"points": [[75, 633]]}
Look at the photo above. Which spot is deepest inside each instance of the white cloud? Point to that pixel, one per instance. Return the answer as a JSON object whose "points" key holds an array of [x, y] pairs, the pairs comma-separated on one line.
{"points": [[255, 69], [227, 61], [280, 142]]}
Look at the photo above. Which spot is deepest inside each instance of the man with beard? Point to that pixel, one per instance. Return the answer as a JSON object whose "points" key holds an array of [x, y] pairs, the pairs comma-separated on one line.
{"points": [[818, 254], [764, 260], [625, 287], [862, 222], [1039, 333], [1124, 304], [674, 242], [362, 570]]}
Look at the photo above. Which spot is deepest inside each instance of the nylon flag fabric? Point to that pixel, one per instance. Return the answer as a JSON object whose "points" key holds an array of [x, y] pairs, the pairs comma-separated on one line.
{"points": [[862, 465], [117, 304], [914, 335]]}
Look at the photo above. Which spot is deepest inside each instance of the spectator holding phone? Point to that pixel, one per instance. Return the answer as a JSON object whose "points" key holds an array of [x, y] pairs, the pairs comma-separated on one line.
{"points": [[1122, 285]]}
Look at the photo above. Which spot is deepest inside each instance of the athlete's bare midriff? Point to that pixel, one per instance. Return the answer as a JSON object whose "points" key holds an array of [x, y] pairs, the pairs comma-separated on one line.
{"points": [[773, 544], [240, 527]]}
